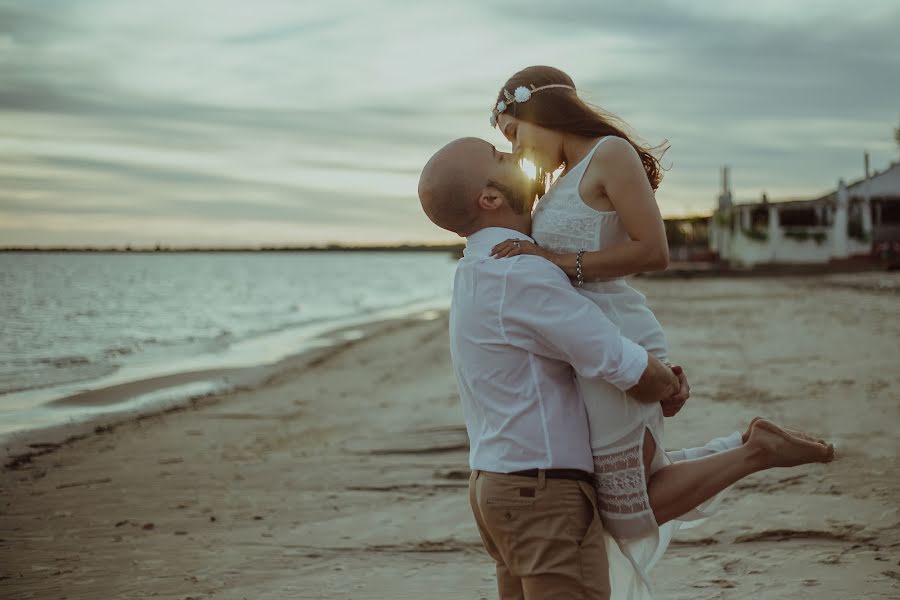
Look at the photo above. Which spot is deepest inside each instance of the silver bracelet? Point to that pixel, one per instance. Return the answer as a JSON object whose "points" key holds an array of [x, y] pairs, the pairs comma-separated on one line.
{"points": [[578, 274]]}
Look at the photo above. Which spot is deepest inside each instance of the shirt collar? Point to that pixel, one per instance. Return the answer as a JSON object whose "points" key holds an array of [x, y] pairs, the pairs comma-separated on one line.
{"points": [[482, 241]]}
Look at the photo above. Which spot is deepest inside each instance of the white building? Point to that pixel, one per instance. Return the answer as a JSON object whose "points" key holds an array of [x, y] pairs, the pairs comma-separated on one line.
{"points": [[841, 225]]}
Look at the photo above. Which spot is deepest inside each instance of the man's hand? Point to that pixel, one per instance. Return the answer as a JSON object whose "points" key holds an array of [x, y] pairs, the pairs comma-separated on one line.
{"points": [[657, 381], [673, 404]]}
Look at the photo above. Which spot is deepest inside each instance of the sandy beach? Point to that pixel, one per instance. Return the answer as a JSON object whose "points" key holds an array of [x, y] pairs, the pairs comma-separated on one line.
{"points": [[342, 474]]}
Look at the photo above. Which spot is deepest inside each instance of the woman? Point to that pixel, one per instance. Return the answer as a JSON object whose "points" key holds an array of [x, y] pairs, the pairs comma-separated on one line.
{"points": [[599, 222]]}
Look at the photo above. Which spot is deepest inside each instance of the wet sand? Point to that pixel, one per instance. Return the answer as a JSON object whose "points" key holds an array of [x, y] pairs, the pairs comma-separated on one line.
{"points": [[342, 474]]}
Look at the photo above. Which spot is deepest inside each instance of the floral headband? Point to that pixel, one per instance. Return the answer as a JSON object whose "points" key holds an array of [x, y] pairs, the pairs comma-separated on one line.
{"points": [[522, 94]]}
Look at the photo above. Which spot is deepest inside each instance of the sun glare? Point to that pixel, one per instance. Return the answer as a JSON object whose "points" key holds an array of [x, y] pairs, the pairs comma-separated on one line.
{"points": [[528, 167]]}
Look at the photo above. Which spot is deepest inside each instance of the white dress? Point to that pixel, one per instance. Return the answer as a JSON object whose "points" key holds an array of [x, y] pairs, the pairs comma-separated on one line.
{"points": [[563, 223]]}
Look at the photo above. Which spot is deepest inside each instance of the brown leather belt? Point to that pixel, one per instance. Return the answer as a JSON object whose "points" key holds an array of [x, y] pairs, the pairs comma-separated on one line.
{"points": [[573, 474]]}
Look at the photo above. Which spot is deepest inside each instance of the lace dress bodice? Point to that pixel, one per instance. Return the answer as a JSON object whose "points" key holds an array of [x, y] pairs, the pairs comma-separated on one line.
{"points": [[563, 223]]}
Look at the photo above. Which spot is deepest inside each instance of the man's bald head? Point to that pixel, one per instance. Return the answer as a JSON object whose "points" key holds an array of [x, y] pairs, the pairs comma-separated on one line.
{"points": [[451, 182]]}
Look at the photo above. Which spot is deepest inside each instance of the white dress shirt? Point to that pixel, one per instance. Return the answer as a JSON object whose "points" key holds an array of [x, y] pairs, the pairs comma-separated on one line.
{"points": [[517, 330]]}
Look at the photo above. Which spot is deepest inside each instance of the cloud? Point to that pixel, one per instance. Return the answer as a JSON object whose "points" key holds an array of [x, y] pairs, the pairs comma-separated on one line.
{"points": [[306, 113], [789, 94]]}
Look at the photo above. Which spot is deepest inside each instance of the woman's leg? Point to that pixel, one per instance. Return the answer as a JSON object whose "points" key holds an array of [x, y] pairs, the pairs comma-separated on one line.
{"points": [[714, 446], [680, 487], [720, 444]]}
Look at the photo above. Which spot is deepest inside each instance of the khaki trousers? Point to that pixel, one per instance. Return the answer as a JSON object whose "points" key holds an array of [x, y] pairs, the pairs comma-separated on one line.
{"points": [[545, 536]]}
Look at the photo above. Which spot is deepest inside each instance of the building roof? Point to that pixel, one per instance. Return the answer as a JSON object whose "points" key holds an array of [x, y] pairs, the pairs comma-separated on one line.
{"points": [[884, 183]]}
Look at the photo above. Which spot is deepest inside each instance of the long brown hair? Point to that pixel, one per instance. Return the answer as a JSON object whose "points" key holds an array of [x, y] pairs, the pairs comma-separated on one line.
{"points": [[560, 109]]}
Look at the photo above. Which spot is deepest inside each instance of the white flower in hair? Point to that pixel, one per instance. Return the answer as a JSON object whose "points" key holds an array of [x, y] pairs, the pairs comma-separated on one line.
{"points": [[523, 94]]}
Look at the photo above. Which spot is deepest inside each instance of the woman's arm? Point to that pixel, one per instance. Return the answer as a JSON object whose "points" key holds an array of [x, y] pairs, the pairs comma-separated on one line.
{"points": [[616, 172]]}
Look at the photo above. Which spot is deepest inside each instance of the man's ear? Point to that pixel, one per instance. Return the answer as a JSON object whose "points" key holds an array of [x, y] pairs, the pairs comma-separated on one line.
{"points": [[490, 198]]}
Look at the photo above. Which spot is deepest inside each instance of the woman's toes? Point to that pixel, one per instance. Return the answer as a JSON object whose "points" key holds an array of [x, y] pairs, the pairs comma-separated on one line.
{"points": [[804, 436], [783, 449], [794, 432]]}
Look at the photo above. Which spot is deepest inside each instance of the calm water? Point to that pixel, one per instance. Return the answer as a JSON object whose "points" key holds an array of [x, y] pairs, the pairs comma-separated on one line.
{"points": [[70, 322]]}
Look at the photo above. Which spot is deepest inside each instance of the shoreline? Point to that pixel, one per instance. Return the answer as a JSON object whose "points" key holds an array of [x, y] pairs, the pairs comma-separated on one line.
{"points": [[156, 383], [20, 446]]}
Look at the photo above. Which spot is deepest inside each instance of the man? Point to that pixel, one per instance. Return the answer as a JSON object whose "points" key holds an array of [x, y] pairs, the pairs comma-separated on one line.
{"points": [[517, 329]]}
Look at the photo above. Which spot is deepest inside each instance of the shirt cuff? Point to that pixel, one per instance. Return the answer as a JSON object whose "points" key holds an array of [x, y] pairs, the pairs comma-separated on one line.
{"points": [[634, 363]]}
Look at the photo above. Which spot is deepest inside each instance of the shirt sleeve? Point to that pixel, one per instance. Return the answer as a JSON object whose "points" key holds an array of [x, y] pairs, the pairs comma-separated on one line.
{"points": [[542, 313]]}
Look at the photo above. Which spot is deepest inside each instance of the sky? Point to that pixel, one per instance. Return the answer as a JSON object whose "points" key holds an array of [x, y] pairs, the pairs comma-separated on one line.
{"points": [[235, 123]]}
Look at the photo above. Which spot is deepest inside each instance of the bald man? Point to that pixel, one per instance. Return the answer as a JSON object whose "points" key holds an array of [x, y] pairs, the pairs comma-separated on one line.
{"points": [[518, 329]]}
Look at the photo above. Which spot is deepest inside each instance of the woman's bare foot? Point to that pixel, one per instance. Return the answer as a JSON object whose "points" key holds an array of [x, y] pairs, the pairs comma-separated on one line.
{"points": [[778, 448], [793, 432]]}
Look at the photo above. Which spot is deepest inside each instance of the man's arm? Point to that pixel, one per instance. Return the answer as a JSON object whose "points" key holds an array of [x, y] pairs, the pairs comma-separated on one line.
{"points": [[542, 313], [658, 383]]}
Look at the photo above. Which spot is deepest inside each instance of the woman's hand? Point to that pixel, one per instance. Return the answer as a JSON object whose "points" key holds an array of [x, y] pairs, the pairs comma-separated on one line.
{"points": [[517, 247]]}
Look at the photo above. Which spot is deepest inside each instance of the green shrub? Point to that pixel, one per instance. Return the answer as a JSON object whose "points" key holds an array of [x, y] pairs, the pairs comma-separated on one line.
{"points": [[757, 235]]}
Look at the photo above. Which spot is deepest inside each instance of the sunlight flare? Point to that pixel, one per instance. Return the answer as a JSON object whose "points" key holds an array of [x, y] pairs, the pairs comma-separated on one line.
{"points": [[529, 168]]}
